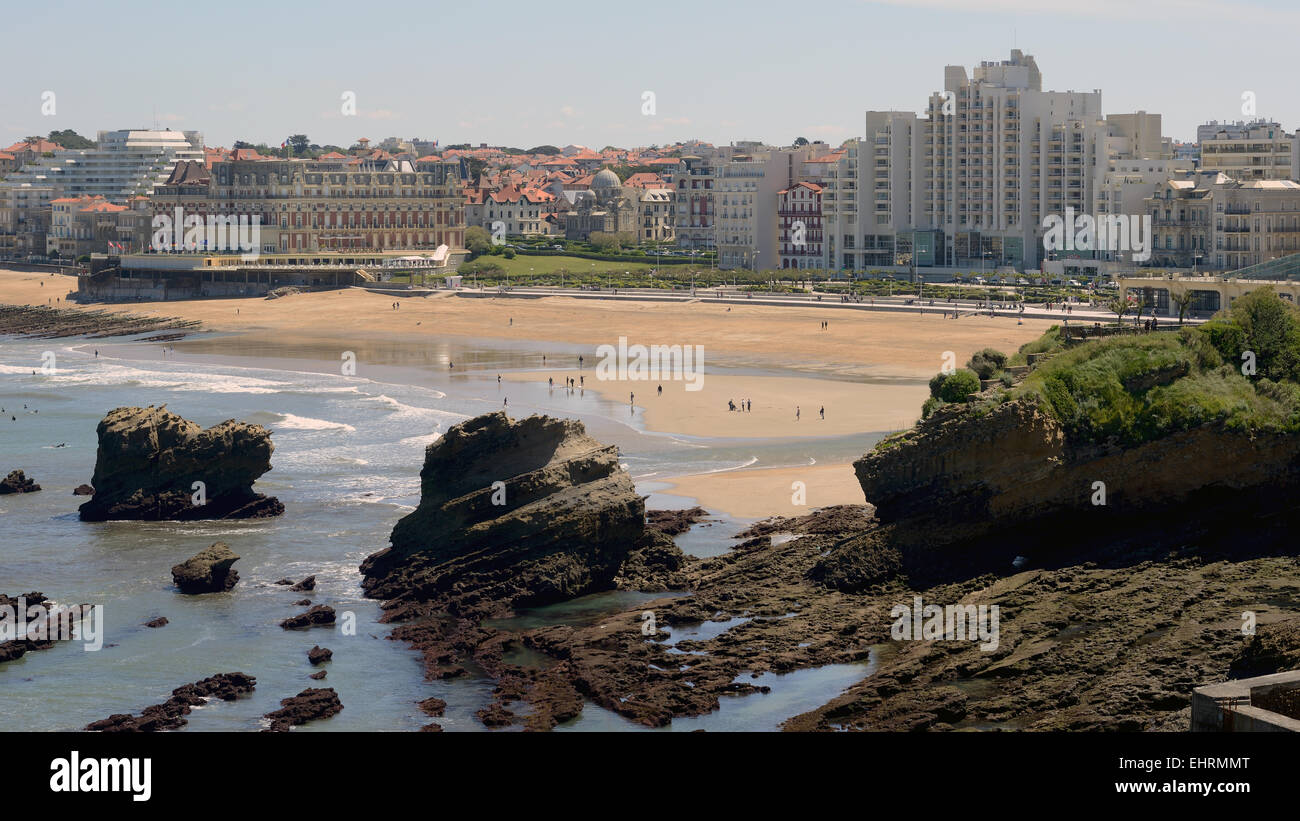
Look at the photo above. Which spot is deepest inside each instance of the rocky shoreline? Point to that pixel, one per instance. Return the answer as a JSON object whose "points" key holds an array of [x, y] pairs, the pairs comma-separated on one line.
{"points": [[41, 322]]}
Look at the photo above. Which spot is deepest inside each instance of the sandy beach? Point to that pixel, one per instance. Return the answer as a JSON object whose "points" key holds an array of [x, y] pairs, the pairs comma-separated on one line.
{"points": [[867, 368], [856, 343], [850, 407], [771, 491]]}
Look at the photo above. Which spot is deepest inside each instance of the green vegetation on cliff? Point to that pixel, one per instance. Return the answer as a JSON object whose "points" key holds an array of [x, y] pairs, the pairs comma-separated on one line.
{"points": [[1241, 370]]}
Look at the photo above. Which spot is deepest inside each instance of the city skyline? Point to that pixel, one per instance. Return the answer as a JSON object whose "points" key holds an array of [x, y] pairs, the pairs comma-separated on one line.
{"points": [[745, 79]]}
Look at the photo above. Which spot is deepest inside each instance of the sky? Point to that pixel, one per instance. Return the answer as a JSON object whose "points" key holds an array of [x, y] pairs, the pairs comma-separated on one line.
{"points": [[524, 73]]}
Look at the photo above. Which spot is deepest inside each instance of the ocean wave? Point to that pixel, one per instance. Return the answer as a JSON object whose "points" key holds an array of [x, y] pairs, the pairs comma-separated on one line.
{"points": [[291, 421]]}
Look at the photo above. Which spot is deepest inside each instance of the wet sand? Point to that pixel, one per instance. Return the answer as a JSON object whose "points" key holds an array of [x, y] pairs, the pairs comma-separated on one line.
{"points": [[851, 407], [770, 491]]}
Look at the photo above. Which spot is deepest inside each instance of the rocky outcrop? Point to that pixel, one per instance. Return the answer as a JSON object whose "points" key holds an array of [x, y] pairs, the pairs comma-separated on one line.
{"points": [[512, 513], [17, 482], [309, 705], [150, 463], [171, 714], [208, 571], [1014, 460], [319, 655], [305, 585], [83, 490], [973, 489], [320, 615]]}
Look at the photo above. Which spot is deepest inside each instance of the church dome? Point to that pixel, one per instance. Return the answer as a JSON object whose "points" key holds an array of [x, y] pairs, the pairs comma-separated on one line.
{"points": [[605, 179]]}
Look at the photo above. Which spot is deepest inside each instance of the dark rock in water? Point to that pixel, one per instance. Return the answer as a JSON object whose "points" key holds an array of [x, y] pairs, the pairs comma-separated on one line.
{"points": [[674, 522], [318, 615], [161, 621], [495, 715], [431, 728], [45, 627], [432, 707], [309, 705], [319, 655], [306, 585], [285, 582], [208, 571], [317, 676], [170, 715], [17, 482], [149, 462], [557, 524], [302, 602], [83, 490]]}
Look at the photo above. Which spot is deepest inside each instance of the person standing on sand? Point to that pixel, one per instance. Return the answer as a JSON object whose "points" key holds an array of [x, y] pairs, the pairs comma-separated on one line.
{"points": [[796, 413], [505, 403], [823, 413], [661, 390]]}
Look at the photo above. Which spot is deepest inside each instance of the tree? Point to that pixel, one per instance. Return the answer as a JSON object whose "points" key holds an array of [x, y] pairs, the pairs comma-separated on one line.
{"points": [[70, 139], [1181, 297], [604, 242], [477, 240], [299, 143], [549, 150], [1119, 306]]}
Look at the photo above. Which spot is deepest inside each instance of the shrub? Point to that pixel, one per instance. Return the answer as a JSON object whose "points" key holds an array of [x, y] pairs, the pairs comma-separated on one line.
{"points": [[936, 383], [931, 405], [959, 385], [987, 362]]}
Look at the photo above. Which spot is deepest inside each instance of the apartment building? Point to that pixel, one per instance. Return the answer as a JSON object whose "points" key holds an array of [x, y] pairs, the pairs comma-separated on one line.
{"points": [[658, 218], [746, 200], [24, 218], [1258, 150], [799, 216], [81, 225], [1209, 220], [123, 164], [694, 184], [340, 204]]}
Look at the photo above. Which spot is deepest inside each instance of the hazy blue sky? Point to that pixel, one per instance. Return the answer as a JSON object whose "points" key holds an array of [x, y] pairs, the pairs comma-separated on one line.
{"points": [[528, 73]]}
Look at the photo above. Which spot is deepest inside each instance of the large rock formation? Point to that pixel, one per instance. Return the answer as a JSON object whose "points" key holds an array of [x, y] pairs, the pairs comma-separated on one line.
{"points": [[1014, 460], [512, 513], [149, 461], [973, 489], [208, 571]]}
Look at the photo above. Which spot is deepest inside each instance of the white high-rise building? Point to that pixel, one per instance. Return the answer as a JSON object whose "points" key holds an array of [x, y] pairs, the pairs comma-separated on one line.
{"points": [[122, 165]]}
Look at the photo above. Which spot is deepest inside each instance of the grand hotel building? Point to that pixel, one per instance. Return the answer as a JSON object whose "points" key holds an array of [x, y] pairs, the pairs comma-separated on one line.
{"points": [[335, 203]]}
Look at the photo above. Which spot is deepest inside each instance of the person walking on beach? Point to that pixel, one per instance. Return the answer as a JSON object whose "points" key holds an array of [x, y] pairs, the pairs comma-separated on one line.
{"points": [[796, 413], [550, 382], [498, 379], [823, 412], [579, 361], [661, 390], [505, 403]]}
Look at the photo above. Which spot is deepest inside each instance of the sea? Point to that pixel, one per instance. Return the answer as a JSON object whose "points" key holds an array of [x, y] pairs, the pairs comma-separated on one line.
{"points": [[348, 451]]}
